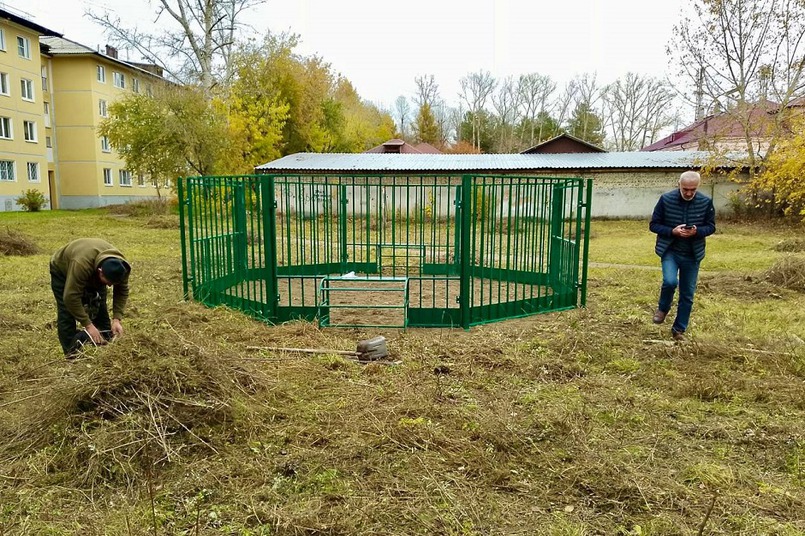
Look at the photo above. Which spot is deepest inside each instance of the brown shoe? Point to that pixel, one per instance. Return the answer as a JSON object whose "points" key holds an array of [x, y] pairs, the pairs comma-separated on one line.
{"points": [[659, 317], [678, 336]]}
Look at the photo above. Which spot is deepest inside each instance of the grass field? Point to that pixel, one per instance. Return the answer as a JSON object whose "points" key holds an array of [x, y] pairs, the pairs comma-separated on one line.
{"points": [[587, 422]]}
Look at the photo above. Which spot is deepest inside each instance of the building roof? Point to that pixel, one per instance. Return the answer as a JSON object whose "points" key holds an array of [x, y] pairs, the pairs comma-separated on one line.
{"points": [[398, 146], [427, 148], [59, 46], [21, 20], [495, 163], [564, 143], [722, 125]]}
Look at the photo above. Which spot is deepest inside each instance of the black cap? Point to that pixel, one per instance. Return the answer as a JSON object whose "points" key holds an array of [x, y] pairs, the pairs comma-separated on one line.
{"points": [[115, 270]]}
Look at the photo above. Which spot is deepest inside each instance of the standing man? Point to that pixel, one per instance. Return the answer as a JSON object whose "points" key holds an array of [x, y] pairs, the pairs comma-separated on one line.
{"points": [[682, 219], [79, 275]]}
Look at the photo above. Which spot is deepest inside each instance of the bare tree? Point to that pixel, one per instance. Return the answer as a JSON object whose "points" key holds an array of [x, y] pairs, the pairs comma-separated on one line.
{"points": [[635, 109], [583, 95], [535, 91], [402, 113], [427, 90], [196, 44], [476, 88], [507, 104], [736, 54]]}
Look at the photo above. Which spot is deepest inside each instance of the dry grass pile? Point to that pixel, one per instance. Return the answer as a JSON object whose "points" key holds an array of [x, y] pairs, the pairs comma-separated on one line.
{"points": [[15, 243], [791, 245], [788, 272], [150, 207], [127, 410]]}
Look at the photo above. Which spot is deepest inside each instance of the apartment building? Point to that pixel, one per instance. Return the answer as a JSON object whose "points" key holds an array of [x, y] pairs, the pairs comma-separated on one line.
{"points": [[54, 93], [24, 110]]}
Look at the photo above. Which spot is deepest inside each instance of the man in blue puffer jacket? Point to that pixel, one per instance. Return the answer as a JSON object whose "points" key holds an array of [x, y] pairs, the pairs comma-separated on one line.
{"points": [[682, 219]]}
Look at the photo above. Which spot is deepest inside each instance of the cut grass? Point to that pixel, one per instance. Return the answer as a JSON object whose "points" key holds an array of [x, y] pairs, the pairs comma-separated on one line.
{"points": [[582, 422]]}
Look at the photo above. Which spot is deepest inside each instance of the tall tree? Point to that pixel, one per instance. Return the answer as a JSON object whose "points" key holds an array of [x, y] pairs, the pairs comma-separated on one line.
{"points": [[585, 124], [583, 94], [402, 113], [426, 129], [196, 44], [736, 54], [427, 90], [476, 90], [535, 92], [174, 132], [782, 177], [507, 104], [636, 108]]}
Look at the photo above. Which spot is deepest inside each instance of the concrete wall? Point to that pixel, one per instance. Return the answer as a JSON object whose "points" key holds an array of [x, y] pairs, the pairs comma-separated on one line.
{"points": [[633, 194]]}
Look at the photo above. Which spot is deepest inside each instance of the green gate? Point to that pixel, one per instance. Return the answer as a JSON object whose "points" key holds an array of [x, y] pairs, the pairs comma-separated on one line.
{"points": [[372, 251]]}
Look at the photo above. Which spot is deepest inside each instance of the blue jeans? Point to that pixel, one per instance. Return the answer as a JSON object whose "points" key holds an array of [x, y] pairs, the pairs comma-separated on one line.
{"points": [[683, 272]]}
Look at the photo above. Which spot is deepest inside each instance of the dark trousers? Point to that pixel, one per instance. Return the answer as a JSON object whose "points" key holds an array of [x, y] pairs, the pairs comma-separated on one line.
{"points": [[94, 302]]}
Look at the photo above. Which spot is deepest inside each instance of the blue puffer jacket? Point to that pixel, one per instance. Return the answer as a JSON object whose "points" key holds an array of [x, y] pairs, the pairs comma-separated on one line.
{"points": [[672, 210]]}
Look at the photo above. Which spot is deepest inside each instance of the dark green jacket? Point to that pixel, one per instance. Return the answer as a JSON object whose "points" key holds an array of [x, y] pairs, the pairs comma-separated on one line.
{"points": [[78, 262]]}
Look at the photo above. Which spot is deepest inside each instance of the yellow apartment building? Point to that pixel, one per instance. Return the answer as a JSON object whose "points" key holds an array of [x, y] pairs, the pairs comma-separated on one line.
{"points": [[54, 93], [84, 82], [24, 110]]}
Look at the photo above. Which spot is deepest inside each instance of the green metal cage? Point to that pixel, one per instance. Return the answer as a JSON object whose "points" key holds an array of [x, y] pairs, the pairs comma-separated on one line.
{"points": [[386, 251]]}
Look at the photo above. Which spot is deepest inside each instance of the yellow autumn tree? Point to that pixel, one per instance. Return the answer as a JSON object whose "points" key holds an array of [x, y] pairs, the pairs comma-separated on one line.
{"points": [[781, 185]]}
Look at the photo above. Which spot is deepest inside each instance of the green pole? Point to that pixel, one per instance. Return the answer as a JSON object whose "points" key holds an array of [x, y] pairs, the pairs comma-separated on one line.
{"points": [[182, 223], [342, 228], [270, 249], [465, 206], [585, 255]]}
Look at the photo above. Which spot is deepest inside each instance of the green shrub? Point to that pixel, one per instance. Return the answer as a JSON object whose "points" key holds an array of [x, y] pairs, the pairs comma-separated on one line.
{"points": [[32, 200]]}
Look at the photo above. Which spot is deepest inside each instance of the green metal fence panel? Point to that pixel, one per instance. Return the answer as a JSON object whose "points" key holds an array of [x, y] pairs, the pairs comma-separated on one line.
{"points": [[371, 250]]}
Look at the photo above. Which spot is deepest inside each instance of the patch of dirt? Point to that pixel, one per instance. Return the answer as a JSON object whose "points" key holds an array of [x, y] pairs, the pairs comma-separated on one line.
{"points": [[754, 287]]}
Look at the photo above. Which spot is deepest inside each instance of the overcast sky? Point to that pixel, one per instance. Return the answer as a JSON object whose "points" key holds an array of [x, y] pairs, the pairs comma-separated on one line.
{"points": [[381, 46]]}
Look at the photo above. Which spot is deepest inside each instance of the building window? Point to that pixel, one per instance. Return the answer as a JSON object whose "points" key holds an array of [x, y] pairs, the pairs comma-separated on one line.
{"points": [[27, 89], [119, 79], [125, 177], [2, 40], [33, 171], [48, 142], [7, 170], [101, 74], [4, 89], [5, 128], [29, 127], [105, 147], [107, 176], [24, 47], [149, 91], [44, 78], [102, 107], [140, 179], [135, 85]]}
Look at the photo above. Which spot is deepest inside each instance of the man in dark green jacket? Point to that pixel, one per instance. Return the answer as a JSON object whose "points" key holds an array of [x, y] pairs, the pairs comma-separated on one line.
{"points": [[79, 275], [682, 219]]}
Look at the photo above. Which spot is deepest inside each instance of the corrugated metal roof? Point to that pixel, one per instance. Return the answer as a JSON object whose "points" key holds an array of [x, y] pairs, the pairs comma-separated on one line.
{"points": [[302, 162]]}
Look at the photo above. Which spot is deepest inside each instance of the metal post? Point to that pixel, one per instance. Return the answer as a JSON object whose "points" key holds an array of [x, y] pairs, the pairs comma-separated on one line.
{"points": [[182, 223], [465, 209]]}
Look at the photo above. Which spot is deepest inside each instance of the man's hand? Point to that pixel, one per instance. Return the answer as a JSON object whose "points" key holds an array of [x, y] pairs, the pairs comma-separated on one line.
{"points": [[94, 334], [117, 328], [683, 232]]}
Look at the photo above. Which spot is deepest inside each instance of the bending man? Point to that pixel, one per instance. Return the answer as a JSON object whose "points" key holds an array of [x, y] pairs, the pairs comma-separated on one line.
{"points": [[80, 272]]}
